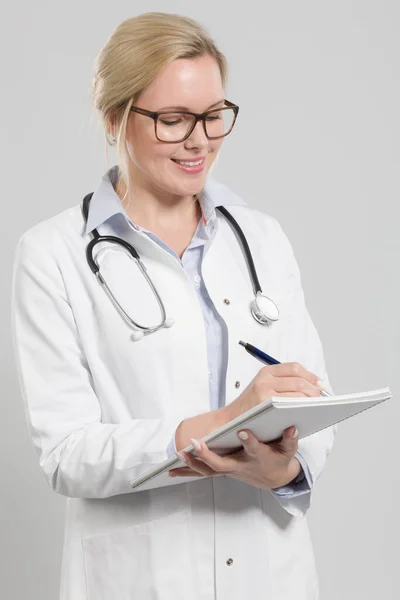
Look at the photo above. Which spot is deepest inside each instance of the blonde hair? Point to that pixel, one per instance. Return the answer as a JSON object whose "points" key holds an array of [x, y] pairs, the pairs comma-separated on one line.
{"points": [[136, 51]]}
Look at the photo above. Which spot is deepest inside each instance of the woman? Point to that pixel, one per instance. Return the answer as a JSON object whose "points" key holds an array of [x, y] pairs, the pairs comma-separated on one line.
{"points": [[106, 401]]}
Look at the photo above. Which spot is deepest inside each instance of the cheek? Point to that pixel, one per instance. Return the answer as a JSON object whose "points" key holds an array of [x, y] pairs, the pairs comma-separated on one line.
{"points": [[141, 143], [146, 154], [215, 146], [213, 153]]}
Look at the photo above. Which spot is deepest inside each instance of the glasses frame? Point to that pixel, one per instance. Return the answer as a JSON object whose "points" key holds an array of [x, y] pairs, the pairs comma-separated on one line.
{"points": [[197, 117]]}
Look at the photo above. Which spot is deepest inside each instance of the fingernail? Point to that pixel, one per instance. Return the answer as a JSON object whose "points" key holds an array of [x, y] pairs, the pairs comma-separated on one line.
{"points": [[296, 433], [182, 456], [243, 435], [320, 383], [195, 444]]}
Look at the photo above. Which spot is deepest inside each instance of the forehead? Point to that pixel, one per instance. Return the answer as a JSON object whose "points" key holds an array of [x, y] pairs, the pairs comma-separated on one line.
{"points": [[191, 82]]}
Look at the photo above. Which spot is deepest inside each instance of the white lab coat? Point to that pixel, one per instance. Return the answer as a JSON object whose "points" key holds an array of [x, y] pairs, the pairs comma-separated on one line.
{"points": [[102, 409]]}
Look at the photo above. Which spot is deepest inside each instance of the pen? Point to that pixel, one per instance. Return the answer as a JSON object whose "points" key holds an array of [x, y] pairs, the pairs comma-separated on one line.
{"points": [[269, 360]]}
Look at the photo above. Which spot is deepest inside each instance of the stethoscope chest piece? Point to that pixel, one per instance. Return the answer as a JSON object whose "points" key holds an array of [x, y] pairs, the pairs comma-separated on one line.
{"points": [[264, 310]]}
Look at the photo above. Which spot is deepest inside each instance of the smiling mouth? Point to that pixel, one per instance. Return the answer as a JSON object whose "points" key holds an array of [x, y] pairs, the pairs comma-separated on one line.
{"points": [[189, 163]]}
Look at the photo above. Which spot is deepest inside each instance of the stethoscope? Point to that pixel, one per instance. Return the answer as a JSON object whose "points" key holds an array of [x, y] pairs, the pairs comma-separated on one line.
{"points": [[263, 309]]}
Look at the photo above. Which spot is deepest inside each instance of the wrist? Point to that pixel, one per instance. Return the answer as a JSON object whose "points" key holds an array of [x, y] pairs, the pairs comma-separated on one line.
{"points": [[228, 412], [199, 426], [292, 471]]}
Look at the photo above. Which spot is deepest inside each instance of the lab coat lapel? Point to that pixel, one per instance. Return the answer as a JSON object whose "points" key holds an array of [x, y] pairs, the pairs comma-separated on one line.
{"points": [[180, 351], [227, 279]]}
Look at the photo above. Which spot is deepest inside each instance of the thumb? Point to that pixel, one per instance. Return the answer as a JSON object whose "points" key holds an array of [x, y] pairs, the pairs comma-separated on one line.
{"points": [[250, 443], [289, 440]]}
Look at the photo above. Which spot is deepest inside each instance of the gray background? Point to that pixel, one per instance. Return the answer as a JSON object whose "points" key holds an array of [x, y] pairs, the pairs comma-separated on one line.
{"points": [[316, 145]]}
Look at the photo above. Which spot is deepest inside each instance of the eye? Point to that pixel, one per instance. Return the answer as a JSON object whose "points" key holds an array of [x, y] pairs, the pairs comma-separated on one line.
{"points": [[170, 122]]}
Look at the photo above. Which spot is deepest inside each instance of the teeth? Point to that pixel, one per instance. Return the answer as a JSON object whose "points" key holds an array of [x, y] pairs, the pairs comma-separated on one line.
{"points": [[188, 163]]}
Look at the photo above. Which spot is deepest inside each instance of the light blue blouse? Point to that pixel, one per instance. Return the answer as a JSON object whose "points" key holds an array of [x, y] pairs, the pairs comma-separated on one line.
{"points": [[214, 326]]}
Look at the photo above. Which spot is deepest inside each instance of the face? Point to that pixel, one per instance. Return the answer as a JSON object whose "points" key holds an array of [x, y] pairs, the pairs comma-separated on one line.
{"points": [[191, 83]]}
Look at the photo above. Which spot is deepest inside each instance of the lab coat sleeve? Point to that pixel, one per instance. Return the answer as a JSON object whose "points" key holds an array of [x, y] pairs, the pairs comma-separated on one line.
{"points": [[79, 455], [304, 347], [300, 485]]}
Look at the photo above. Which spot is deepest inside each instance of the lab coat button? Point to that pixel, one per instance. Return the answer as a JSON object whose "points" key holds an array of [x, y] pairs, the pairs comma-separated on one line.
{"points": [[227, 301], [197, 278], [237, 384], [229, 562]]}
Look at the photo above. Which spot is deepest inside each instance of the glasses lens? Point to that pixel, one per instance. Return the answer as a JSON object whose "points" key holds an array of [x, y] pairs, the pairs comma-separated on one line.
{"points": [[219, 122], [174, 126]]}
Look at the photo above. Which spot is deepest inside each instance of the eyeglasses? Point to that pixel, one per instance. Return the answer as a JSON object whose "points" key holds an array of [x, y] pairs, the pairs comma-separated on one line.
{"points": [[176, 126]]}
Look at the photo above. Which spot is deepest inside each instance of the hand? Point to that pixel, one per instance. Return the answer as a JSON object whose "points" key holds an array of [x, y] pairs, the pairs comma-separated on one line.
{"points": [[284, 379], [262, 465]]}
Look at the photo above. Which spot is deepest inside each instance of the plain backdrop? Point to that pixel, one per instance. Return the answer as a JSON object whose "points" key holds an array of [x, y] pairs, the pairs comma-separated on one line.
{"points": [[316, 145]]}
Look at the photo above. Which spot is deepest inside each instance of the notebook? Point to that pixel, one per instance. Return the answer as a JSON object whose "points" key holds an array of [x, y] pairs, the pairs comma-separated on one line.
{"points": [[267, 421]]}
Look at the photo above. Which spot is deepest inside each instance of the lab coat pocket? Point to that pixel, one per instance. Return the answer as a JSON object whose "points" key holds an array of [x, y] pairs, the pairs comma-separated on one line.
{"points": [[150, 561]]}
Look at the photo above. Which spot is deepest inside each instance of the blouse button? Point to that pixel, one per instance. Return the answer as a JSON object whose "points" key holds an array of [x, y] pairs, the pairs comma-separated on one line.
{"points": [[226, 301], [237, 384], [229, 562]]}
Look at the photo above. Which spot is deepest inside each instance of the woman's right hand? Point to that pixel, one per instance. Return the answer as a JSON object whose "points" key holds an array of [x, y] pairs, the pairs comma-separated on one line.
{"points": [[284, 379]]}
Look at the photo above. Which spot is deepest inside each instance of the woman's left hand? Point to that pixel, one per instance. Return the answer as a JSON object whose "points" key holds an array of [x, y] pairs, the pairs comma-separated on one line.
{"points": [[262, 465]]}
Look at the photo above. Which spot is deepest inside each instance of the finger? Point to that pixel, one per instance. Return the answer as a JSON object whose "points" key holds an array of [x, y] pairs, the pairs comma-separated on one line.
{"points": [[290, 394], [292, 369], [295, 384], [289, 443], [219, 464], [194, 463], [250, 443], [184, 472]]}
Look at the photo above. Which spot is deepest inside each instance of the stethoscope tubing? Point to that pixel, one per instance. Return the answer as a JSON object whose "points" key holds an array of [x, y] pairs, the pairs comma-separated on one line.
{"points": [[95, 268], [253, 273]]}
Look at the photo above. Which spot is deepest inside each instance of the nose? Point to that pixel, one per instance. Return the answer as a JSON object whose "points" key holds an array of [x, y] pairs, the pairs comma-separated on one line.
{"points": [[198, 135]]}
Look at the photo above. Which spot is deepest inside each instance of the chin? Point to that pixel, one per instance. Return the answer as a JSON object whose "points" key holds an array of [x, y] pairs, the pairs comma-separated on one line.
{"points": [[190, 187]]}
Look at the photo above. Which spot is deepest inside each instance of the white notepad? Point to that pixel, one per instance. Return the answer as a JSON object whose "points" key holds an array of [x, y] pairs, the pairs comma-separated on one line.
{"points": [[267, 421]]}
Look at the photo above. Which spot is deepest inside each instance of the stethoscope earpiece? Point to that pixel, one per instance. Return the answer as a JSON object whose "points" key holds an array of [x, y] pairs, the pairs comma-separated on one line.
{"points": [[137, 335]]}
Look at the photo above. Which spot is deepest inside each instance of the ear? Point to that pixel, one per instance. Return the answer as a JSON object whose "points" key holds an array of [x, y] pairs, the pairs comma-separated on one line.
{"points": [[111, 126]]}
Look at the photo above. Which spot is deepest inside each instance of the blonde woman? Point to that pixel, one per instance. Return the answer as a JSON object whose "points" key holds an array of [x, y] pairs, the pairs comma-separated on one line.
{"points": [[108, 397]]}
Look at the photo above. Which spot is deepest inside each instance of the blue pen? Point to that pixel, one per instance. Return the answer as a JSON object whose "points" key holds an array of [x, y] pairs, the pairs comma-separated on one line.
{"points": [[267, 359]]}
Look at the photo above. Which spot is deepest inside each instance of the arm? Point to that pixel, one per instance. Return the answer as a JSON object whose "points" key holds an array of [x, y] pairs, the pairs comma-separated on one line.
{"points": [[300, 485], [196, 427], [79, 455]]}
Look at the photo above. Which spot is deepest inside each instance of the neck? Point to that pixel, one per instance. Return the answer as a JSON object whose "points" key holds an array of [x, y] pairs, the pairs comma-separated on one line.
{"points": [[161, 211]]}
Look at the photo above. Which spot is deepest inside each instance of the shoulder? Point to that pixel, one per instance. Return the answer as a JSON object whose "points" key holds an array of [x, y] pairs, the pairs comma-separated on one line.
{"points": [[46, 246], [47, 235]]}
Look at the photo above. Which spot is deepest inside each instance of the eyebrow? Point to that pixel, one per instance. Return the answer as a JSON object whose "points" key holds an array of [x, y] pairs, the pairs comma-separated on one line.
{"points": [[186, 108]]}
